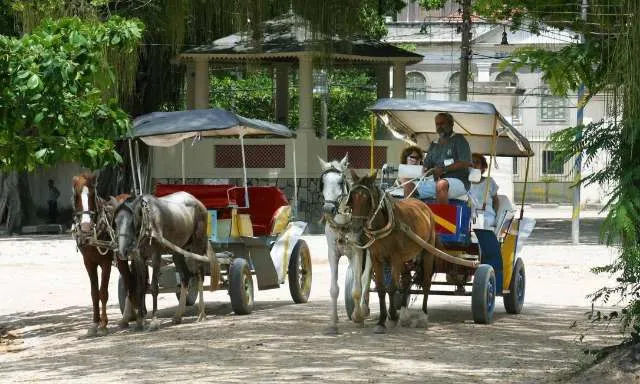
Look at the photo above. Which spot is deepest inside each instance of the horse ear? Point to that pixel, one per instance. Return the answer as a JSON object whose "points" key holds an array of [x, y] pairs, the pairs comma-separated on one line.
{"points": [[354, 176], [323, 164], [345, 160]]}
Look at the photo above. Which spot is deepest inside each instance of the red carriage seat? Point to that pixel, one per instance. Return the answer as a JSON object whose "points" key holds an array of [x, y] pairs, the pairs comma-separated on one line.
{"points": [[264, 202]]}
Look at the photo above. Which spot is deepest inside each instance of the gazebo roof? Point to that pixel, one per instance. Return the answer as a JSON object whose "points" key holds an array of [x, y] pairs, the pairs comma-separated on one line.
{"points": [[288, 38]]}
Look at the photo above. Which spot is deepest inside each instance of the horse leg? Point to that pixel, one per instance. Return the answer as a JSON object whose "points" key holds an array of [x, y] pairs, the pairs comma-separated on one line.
{"points": [[139, 266], [183, 271], [104, 295], [125, 273], [333, 257], [356, 291], [366, 282], [92, 271], [428, 264], [380, 287], [202, 316], [405, 287], [155, 267]]}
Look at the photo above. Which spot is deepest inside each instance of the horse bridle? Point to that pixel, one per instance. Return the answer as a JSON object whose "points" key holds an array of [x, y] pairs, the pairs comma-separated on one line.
{"points": [[99, 224], [373, 234], [345, 186]]}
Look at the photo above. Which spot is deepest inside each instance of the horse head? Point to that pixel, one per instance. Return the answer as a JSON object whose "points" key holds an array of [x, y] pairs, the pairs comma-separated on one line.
{"points": [[85, 202], [363, 200], [334, 184], [127, 221]]}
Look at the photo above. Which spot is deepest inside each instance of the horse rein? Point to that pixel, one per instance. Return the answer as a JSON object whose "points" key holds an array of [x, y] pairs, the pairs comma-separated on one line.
{"points": [[374, 234], [100, 224]]}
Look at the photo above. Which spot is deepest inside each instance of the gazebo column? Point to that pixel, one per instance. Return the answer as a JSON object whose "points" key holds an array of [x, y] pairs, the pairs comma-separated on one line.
{"points": [[382, 81], [190, 79], [282, 93], [201, 83], [399, 81], [305, 93]]}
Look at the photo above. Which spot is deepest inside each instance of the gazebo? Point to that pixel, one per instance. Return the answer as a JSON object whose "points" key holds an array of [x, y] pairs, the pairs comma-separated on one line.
{"points": [[285, 41]]}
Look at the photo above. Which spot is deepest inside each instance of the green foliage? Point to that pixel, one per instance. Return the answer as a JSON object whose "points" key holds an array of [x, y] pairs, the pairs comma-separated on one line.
{"points": [[52, 104], [350, 93]]}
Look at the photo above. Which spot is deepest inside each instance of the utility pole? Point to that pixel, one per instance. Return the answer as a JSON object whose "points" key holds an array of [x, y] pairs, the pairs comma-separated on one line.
{"points": [[465, 49], [577, 165]]}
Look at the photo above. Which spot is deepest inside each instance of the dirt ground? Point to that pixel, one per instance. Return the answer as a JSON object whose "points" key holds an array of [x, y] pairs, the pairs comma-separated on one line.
{"points": [[45, 312]]}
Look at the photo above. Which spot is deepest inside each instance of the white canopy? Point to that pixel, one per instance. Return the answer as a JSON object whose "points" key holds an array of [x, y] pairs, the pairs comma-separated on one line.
{"points": [[475, 120]]}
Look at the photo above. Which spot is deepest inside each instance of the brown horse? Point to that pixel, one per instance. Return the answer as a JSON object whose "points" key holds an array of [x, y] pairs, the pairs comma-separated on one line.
{"points": [[93, 233], [382, 224]]}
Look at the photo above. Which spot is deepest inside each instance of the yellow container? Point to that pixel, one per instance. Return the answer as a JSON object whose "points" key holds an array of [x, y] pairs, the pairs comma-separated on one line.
{"points": [[244, 225]]}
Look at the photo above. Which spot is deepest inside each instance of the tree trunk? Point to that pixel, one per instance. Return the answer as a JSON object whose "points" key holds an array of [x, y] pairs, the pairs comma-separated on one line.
{"points": [[11, 212]]}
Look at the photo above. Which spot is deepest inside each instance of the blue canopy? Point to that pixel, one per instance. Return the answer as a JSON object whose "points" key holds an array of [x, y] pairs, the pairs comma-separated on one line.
{"points": [[165, 129], [476, 120]]}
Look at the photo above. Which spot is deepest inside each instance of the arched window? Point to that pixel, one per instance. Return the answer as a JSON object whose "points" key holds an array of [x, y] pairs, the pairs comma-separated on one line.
{"points": [[509, 78], [416, 86], [454, 87], [511, 81]]}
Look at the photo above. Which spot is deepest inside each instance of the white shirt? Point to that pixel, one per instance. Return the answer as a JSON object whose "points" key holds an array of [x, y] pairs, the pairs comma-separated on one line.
{"points": [[477, 194]]}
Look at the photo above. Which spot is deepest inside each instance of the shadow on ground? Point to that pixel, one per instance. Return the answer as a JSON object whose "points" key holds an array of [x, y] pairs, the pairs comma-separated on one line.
{"points": [[282, 342]]}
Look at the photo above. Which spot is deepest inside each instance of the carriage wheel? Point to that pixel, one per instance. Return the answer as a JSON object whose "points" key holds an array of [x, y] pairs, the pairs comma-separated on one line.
{"points": [[241, 287], [483, 295], [192, 293], [299, 273], [514, 300], [348, 286], [122, 294]]}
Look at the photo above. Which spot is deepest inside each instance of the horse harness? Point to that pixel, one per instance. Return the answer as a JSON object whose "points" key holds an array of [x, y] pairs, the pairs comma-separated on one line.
{"points": [[375, 234], [100, 224]]}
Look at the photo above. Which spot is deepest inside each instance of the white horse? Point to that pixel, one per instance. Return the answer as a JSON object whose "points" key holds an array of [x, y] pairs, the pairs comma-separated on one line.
{"points": [[335, 188]]}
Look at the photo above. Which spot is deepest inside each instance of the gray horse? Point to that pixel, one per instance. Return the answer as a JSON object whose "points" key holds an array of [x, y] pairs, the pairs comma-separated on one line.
{"points": [[142, 224]]}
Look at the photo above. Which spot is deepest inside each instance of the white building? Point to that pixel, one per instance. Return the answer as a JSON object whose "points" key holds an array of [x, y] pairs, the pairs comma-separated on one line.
{"points": [[522, 96]]}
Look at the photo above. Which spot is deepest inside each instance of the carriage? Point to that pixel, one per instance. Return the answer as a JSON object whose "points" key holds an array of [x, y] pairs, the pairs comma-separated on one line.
{"points": [[484, 259], [250, 228]]}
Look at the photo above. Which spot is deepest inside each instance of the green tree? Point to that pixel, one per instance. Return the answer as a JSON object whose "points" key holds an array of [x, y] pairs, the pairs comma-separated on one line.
{"points": [[606, 62], [57, 98]]}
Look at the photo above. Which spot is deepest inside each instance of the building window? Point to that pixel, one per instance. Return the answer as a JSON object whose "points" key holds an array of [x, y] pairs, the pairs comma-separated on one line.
{"points": [[515, 165], [552, 108], [548, 166], [454, 87], [510, 81], [416, 86]]}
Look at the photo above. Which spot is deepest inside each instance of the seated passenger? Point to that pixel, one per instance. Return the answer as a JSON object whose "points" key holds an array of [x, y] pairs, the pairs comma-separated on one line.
{"points": [[412, 155], [450, 159], [477, 192]]}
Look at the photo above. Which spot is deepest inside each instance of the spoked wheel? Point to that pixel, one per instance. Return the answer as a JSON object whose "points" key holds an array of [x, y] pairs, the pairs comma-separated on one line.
{"points": [[192, 293], [483, 295], [348, 287], [299, 273], [514, 300], [241, 287]]}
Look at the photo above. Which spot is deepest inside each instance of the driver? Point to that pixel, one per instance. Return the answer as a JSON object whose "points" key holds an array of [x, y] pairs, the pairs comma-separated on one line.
{"points": [[450, 158]]}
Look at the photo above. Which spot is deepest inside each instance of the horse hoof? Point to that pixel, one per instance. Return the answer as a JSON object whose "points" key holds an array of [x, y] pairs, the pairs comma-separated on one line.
{"points": [[139, 327], [331, 330], [176, 320], [422, 322], [154, 325], [380, 329], [123, 324], [103, 331], [92, 332], [405, 318]]}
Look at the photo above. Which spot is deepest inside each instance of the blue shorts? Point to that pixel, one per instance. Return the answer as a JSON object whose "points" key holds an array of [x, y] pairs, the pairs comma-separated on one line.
{"points": [[427, 188]]}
